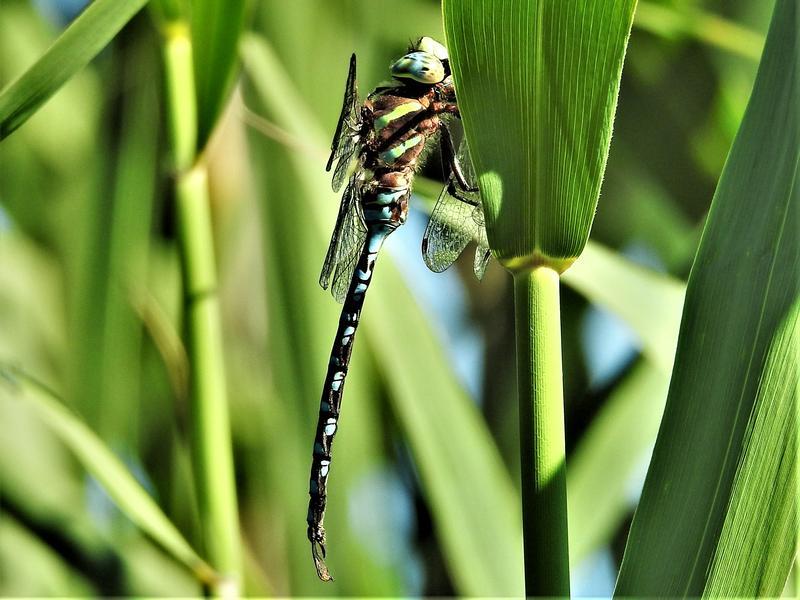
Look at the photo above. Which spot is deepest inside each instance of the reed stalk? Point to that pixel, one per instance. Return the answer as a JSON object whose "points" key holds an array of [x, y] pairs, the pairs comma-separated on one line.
{"points": [[211, 441], [541, 417]]}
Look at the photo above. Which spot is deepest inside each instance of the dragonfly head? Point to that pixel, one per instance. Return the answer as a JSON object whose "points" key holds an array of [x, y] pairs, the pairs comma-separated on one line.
{"points": [[431, 46], [426, 62]]}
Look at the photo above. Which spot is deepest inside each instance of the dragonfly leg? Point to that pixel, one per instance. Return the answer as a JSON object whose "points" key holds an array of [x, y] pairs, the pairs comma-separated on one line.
{"points": [[450, 159], [457, 193]]}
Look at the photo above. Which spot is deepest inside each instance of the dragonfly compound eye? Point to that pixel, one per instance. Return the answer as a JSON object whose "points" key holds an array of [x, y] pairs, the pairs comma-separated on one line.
{"points": [[431, 46], [422, 67]]}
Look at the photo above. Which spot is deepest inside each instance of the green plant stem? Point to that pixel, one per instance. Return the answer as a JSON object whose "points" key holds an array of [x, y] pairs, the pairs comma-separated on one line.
{"points": [[541, 415], [181, 102], [211, 441]]}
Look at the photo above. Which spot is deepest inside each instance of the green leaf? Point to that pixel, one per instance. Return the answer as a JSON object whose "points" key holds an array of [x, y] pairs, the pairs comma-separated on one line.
{"points": [[756, 543], [115, 228], [86, 36], [95, 456], [216, 26], [537, 84], [31, 565], [718, 512]]}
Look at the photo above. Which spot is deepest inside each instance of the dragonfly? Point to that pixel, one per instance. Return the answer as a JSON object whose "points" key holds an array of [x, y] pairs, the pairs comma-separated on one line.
{"points": [[377, 147]]}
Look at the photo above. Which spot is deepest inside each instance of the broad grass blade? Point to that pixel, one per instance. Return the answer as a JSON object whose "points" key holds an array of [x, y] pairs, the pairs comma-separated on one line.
{"points": [[760, 562], [718, 511], [537, 83]]}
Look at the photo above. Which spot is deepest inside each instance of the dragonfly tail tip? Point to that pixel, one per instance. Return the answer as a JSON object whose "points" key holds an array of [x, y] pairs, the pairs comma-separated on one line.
{"points": [[318, 554]]}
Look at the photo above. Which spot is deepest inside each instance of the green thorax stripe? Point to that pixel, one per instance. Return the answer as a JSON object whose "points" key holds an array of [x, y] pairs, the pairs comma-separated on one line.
{"points": [[396, 113], [395, 152]]}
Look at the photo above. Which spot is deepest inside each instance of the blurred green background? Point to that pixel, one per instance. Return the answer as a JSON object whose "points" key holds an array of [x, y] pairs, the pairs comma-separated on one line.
{"points": [[90, 304]]}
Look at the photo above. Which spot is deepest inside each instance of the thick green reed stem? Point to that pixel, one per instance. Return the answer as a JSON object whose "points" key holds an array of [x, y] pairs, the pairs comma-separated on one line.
{"points": [[541, 416], [211, 441]]}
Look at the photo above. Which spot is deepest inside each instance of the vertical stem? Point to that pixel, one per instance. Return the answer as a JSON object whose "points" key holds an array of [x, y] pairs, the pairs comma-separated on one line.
{"points": [[541, 414], [181, 102], [211, 442]]}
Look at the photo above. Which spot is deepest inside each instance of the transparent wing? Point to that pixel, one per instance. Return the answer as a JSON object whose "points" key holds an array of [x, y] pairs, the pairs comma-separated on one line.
{"points": [[456, 219], [351, 250], [347, 150], [346, 140], [482, 252], [450, 229], [352, 243], [348, 230], [482, 256]]}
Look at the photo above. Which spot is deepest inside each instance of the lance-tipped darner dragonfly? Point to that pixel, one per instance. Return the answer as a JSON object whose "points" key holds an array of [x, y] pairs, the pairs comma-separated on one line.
{"points": [[386, 136]]}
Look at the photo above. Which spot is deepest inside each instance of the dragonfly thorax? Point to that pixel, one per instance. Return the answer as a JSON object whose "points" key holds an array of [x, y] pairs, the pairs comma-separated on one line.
{"points": [[401, 127]]}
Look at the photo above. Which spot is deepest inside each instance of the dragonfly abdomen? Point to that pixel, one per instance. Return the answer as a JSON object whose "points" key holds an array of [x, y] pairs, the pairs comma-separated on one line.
{"points": [[330, 404], [384, 206]]}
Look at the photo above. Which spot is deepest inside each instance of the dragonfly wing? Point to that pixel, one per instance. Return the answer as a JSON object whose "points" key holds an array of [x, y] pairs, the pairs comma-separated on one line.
{"points": [[456, 219], [450, 229], [346, 243], [354, 234], [482, 252], [465, 161], [346, 151], [482, 256], [347, 139], [345, 220]]}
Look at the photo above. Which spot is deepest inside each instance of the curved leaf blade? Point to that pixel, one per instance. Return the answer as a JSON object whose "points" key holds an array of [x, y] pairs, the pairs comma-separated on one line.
{"points": [[216, 26], [95, 456], [760, 563], [86, 36]]}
